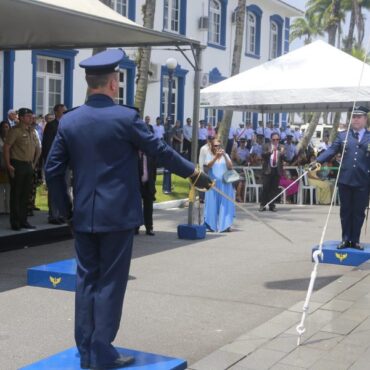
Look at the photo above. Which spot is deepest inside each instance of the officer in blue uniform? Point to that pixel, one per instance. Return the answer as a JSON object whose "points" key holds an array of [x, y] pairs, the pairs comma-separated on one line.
{"points": [[354, 177], [100, 142]]}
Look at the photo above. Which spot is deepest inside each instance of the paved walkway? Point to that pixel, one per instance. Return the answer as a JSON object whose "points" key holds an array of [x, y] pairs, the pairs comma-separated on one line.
{"points": [[190, 298], [337, 336]]}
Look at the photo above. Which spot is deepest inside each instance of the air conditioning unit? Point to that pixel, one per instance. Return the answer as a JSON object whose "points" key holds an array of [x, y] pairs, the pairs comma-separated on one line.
{"points": [[154, 72], [203, 23], [204, 80]]}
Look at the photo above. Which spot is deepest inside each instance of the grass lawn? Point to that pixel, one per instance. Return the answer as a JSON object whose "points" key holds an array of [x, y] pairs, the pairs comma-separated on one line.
{"points": [[180, 189]]}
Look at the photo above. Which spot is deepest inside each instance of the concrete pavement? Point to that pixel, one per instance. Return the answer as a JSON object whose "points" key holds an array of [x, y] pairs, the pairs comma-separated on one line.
{"points": [[185, 298]]}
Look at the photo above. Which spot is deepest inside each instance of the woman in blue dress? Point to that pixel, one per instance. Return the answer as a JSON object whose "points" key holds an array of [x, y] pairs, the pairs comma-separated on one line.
{"points": [[219, 212]]}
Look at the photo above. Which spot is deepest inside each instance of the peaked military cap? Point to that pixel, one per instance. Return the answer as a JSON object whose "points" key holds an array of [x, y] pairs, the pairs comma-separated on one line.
{"points": [[359, 110], [103, 63], [24, 111]]}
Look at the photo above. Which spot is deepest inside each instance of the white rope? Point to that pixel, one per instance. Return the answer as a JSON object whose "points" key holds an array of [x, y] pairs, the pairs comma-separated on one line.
{"points": [[318, 254]]}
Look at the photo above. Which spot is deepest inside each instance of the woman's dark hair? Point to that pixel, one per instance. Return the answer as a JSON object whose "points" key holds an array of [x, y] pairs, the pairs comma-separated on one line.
{"points": [[2, 124]]}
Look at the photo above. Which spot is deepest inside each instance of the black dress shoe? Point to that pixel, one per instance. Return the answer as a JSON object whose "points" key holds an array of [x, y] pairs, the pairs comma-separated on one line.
{"points": [[344, 244], [273, 209], [54, 221], [121, 361], [262, 209], [150, 232], [137, 231], [358, 246], [28, 226]]}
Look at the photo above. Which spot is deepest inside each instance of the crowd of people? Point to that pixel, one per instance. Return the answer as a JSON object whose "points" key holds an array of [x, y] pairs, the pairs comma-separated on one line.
{"points": [[245, 147]]}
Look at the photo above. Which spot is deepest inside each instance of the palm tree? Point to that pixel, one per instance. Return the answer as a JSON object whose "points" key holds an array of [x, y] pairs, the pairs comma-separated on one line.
{"points": [[330, 15], [143, 60], [235, 66], [307, 28]]}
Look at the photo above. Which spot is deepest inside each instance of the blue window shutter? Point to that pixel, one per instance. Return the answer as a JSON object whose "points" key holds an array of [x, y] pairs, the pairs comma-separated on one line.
{"points": [[183, 7], [132, 10], [287, 34], [8, 92]]}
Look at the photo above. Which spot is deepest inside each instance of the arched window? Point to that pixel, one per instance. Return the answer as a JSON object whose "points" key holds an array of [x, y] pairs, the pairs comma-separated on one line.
{"points": [[274, 38], [214, 22], [253, 31]]}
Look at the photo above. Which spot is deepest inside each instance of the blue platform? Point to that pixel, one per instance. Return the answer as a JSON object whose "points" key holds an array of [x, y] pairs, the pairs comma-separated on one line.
{"points": [[345, 257], [191, 232], [69, 360], [59, 275]]}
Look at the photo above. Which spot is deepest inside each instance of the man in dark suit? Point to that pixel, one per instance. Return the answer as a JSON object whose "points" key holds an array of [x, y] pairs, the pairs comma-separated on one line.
{"points": [[100, 141], [354, 176], [272, 168], [48, 137], [147, 175]]}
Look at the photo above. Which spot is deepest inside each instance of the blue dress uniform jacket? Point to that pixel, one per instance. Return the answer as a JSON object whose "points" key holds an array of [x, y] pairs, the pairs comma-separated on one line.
{"points": [[354, 181], [100, 142], [355, 170], [102, 151]]}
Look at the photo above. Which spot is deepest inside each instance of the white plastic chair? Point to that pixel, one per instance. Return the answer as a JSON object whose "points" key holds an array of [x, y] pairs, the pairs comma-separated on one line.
{"points": [[309, 188], [251, 185]]}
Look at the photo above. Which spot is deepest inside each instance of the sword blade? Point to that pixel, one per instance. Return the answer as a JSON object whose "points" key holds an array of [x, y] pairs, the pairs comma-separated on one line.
{"points": [[249, 213]]}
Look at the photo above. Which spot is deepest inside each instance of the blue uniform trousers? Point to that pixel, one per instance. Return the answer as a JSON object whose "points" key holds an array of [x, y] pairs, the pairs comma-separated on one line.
{"points": [[353, 203], [103, 263]]}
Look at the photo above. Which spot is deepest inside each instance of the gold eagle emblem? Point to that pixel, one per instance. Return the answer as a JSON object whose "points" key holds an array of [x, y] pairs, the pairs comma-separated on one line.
{"points": [[341, 256], [55, 281]]}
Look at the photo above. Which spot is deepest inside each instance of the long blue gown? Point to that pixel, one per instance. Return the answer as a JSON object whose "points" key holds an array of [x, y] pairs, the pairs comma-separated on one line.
{"points": [[219, 212]]}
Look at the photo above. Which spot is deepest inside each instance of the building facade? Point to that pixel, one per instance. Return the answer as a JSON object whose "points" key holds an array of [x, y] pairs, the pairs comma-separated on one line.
{"points": [[42, 78]]}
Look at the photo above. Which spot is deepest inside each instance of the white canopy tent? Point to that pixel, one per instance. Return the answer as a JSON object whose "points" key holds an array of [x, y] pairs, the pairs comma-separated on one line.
{"points": [[315, 77], [52, 24]]}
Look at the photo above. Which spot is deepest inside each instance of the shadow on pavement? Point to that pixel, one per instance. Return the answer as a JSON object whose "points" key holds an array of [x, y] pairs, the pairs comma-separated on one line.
{"points": [[301, 284]]}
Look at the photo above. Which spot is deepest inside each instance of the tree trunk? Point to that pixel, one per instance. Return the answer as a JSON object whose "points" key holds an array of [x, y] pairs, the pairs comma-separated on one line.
{"points": [[334, 21], [334, 130], [235, 66], [303, 144], [143, 61], [351, 29]]}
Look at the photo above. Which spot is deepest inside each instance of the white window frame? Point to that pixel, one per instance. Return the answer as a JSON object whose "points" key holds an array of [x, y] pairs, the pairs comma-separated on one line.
{"points": [[122, 97], [274, 40], [270, 118], [251, 37], [47, 106], [213, 116], [171, 15], [120, 6], [164, 98], [247, 117], [214, 30]]}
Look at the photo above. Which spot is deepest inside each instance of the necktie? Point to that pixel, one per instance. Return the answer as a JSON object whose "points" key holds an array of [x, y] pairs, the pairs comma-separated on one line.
{"points": [[357, 135], [274, 158]]}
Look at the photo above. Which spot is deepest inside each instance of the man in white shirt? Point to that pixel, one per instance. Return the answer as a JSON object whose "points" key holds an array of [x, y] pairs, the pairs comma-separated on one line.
{"points": [[230, 140], [158, 129], [297, 134], [268, 132], [12, 117], [203, 153], [187, 134], [202, 135]]}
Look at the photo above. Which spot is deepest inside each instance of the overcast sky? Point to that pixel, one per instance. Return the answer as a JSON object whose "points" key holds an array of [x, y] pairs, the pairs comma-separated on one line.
{"points": [[300, 4]]}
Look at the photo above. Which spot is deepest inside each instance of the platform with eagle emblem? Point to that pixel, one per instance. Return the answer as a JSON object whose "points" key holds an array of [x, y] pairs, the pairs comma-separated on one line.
{"points": [[345, 257], [59, 275], [69, 360]]}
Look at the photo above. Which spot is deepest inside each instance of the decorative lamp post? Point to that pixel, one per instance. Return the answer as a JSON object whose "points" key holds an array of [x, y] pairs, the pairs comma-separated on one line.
{"points": [[171, 64]]}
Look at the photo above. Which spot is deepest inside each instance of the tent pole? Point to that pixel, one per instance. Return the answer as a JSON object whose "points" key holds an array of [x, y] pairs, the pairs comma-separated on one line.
{"points": [[194, 140]]}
